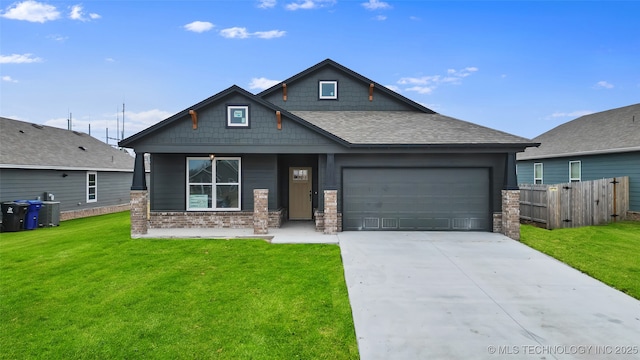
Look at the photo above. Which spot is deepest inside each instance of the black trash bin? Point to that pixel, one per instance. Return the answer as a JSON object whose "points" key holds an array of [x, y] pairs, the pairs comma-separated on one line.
{"points": [[31, 218], [13, 216]]}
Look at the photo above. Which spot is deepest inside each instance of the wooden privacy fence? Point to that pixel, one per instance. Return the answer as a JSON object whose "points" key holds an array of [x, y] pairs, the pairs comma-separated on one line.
{"points": [[575, 204]]}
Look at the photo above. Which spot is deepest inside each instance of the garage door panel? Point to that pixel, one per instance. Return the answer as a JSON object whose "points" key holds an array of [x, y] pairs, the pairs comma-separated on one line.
{"points": [[416, 199]]}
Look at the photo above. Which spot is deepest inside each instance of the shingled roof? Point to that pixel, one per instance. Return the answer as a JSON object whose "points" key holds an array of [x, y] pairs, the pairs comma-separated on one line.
{"points": [[612, 131], [406, 128], [31, 146]]}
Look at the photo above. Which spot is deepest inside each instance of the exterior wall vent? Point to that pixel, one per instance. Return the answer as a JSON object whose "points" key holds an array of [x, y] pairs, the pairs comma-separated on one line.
{"points": [[82, 148], [37, 126]]}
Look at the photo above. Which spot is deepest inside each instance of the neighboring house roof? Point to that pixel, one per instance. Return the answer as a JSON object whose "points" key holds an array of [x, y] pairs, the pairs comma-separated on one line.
{"points": [[611, 131], [30, 146], [406, 128]]}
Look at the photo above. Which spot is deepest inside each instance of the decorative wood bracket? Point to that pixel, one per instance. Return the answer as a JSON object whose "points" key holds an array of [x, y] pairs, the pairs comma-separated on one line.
{"points": [[284, 92], [194, 118], [371, 92], [279, 119]]}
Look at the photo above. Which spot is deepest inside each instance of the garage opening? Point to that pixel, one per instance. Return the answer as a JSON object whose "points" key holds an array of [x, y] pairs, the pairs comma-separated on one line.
{"points": [[455, 199]]}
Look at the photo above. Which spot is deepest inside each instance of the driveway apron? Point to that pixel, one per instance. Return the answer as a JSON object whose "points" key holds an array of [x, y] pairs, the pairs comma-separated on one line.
{"points": [[444, 295]]}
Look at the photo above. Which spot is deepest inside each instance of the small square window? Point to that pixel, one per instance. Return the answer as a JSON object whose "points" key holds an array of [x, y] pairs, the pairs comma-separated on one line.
{"points": [[237, 116], [328, 90]]}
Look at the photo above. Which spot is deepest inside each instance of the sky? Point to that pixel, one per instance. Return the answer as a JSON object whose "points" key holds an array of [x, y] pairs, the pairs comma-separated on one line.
{"points": [[523, 67]]}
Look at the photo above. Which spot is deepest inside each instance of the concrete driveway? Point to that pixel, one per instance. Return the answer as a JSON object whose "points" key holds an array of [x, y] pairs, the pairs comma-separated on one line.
{"points": [[443, 295]]}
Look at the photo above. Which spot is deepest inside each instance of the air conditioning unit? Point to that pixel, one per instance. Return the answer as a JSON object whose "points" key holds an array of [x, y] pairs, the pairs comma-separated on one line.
{"points": [[49, 214]]}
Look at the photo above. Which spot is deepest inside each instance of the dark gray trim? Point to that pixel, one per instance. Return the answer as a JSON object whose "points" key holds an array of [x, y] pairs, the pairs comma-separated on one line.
{"points": [[330, 173], [510, 176], [139, 179]]}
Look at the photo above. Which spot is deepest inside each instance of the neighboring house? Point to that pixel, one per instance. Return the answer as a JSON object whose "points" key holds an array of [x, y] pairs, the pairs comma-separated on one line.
{"points": [[326, 139], [601, 145], [87, 176]]}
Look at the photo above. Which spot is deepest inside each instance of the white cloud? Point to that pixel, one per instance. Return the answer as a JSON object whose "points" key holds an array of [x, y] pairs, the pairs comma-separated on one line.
{"points": [[8, 78], [138, 121], [380, 18], [242, 33], [57, 37], [32, 11], [266, 4], [393, 88], [19, 59], [272, 34], [199, 26], [414, 18], [309, 4], [376, 5], [427, 84], [235, 33], [603, 85], [572, 114], [77, 13], [262, 83], [110, 60]]}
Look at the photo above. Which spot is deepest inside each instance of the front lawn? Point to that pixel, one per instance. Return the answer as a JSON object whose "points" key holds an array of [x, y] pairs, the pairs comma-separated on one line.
{"points": [[609, 253], [86, 290]]}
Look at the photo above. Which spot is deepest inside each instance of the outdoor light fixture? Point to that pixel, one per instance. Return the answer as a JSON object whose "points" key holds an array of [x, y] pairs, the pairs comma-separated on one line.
{"points": [[212, 156], [64, 175]]}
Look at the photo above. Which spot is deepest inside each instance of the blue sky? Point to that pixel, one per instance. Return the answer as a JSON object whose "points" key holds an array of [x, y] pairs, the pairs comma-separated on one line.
{"points": [[516, 66]]}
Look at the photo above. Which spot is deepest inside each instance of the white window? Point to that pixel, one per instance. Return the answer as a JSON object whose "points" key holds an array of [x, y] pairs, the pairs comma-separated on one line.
{"points": [[213, 184], [237, 115], [328, 90], [575, 171], [92, 186], [537, 173]]}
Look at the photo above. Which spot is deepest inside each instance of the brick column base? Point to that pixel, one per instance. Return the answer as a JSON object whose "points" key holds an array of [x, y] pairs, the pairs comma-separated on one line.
{"points": [[330, 212], [260, 211], [511, 213], [139, 223]]}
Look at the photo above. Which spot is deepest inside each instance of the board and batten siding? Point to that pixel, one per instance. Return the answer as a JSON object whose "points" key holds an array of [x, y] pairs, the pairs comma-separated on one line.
{"points": [[70, 190], [594, 167], [168, 190]]}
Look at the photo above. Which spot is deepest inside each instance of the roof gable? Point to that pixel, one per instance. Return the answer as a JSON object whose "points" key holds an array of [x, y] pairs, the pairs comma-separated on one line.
{"points": [[366, 86], [26, 145], [610, 131]]}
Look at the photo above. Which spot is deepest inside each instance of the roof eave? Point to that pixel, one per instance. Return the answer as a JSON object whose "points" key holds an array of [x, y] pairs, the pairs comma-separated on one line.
{"points": [[578, 153]]}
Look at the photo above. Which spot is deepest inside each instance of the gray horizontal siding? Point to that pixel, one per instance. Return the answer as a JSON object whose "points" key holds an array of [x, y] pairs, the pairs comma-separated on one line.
{"points": [[18, 184], [556, 171], [352, 95]]}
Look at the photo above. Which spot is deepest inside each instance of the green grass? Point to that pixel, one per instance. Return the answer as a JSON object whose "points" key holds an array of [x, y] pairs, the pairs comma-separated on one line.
{"points": [[86, 290], [609, 253]]}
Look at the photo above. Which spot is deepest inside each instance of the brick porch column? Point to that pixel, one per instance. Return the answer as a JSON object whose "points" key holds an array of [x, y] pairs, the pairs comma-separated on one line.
{"points": [[260, 211], [139, 199], [330, 212], [511, 213]]}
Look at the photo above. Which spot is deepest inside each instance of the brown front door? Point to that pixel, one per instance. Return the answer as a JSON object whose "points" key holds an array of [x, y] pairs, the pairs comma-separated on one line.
{"points": [[300, 193]]}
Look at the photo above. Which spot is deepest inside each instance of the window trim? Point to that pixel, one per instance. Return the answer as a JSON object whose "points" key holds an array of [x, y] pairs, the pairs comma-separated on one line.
{"points": [[236, 106], [579, 178], [94, 186], [541, 178], [214, 183], [329, 97]]}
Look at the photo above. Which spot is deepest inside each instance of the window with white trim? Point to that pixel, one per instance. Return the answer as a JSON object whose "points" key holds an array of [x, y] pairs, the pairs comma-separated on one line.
{"points": [[238, 116], [575, 171], [328, 90], [92, 186], [537, 173], [213, 184]]}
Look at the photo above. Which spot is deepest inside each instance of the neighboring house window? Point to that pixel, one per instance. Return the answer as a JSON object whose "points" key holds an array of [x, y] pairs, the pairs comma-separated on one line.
{"points": [[213, 184], [575, 171], [237, 115], [537, 173], [92, 186], [328, 89]]}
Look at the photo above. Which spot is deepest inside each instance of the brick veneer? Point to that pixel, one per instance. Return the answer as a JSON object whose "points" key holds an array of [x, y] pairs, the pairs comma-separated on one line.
{"points": [[76, 214], [210, 219], [330, 211], [260, 211], [511, 213], [139, 224], [633, 215], [319, 219], [497, 222]]}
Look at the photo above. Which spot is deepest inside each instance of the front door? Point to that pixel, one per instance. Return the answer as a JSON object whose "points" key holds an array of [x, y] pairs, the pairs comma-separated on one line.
{"points": [[300, 193]]}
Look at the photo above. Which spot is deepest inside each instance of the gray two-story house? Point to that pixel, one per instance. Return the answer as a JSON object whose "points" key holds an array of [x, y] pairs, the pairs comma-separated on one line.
{"points": [[391, 163]]}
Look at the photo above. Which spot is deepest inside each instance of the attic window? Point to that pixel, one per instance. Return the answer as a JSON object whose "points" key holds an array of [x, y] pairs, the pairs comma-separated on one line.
{"points": [[37, 126], [237, 115], [82, 148], [328, 90]]}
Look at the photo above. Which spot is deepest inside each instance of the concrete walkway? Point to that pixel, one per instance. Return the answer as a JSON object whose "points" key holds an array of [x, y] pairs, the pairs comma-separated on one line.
{"points": [[436, 295]]}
